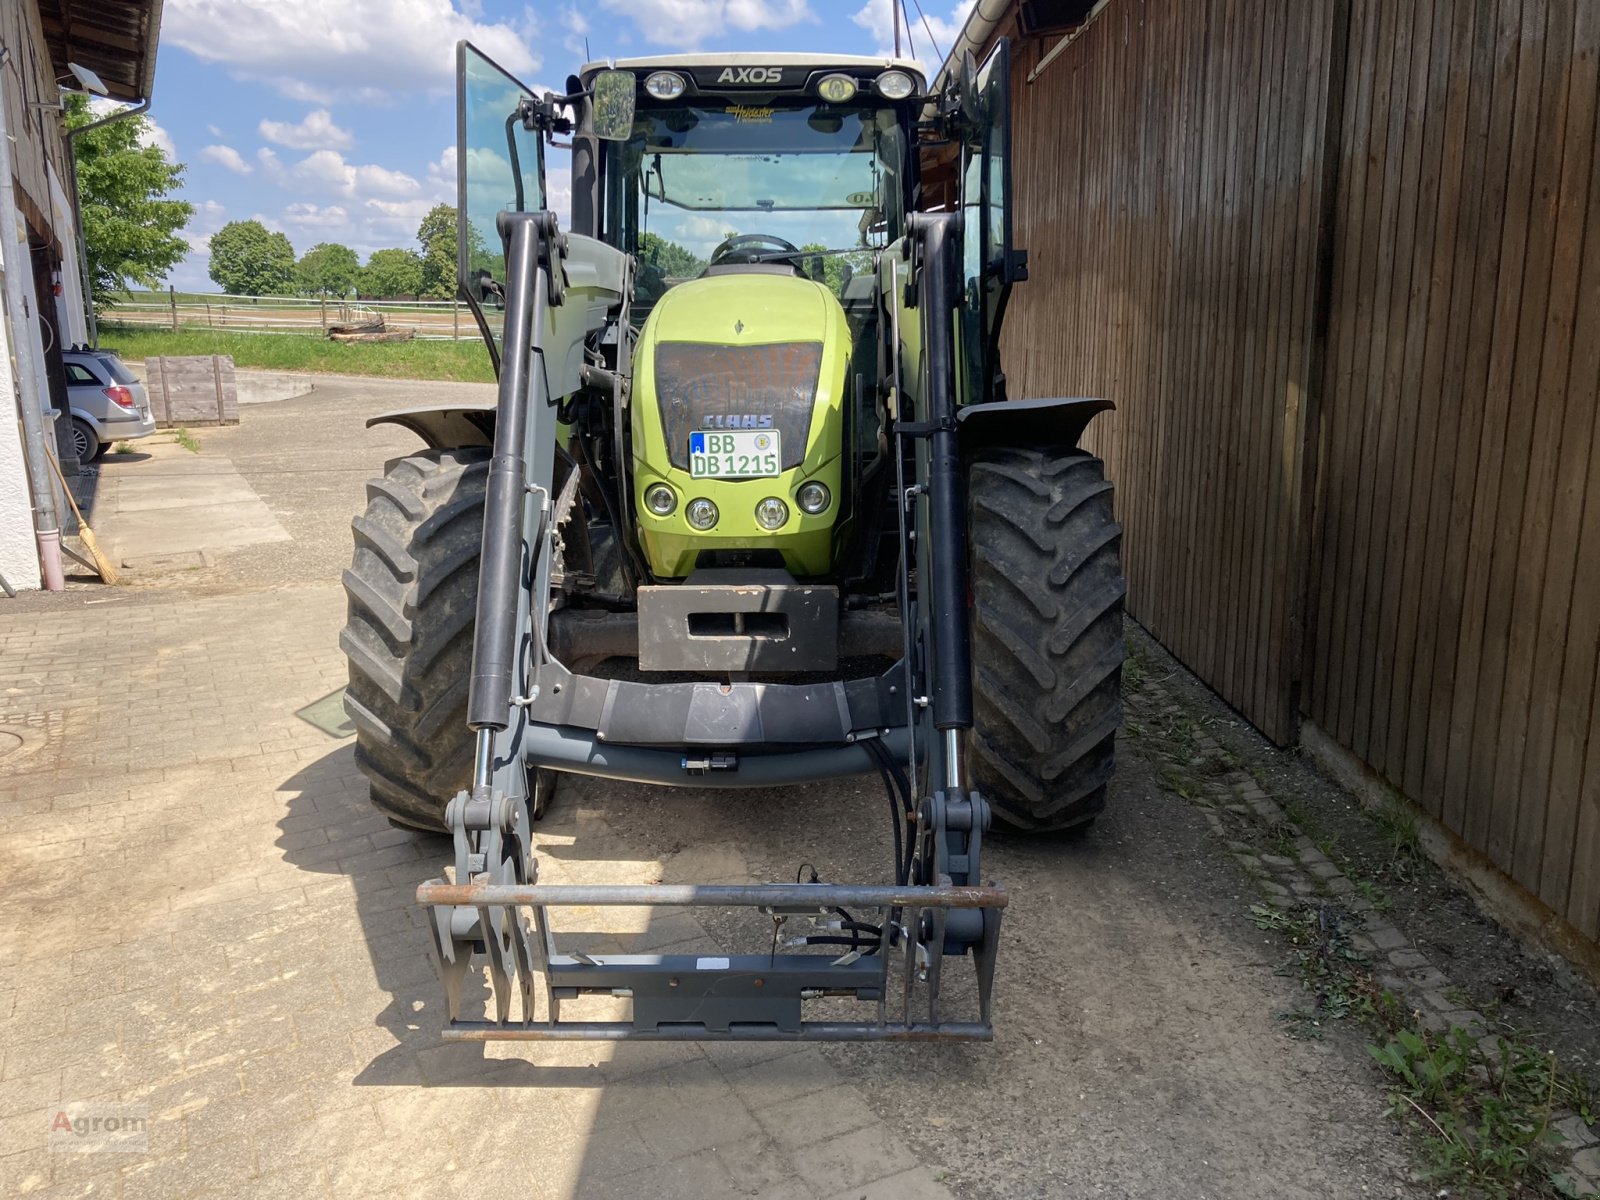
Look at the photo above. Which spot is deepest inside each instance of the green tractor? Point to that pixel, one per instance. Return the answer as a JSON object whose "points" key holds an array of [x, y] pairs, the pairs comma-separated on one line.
{"points": [[752, 509]]}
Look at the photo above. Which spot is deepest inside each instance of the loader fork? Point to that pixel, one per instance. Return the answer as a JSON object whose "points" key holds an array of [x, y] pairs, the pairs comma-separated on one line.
{"points": [[938, 905]]}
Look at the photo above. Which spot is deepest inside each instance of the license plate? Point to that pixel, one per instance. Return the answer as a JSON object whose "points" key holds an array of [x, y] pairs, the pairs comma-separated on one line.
{"points": [[736, 454]]}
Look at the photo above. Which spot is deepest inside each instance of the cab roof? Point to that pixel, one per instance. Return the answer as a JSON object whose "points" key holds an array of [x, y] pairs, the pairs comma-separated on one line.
{"points": [[816, 62]]}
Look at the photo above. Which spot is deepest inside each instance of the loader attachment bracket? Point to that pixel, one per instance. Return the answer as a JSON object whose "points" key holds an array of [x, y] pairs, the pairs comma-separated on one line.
{"points": [[495, 915]]}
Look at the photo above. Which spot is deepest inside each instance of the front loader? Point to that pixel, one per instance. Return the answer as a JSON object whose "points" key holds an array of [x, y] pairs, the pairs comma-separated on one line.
{"points": [[752, 509]]}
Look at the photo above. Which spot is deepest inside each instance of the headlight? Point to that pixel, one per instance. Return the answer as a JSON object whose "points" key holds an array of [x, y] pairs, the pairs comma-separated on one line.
{"points": [[894, 85], [771, 513], [836, 89], [812, 498], [660, 499], [701, 513], [664, 85]]}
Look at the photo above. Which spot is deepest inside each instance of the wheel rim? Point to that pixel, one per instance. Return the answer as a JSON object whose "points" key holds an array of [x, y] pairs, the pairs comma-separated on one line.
{"points": [[80, 442]]}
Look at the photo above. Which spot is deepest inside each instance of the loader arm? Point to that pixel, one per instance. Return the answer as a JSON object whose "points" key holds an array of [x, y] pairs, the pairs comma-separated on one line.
{"points": [[561, 291]]}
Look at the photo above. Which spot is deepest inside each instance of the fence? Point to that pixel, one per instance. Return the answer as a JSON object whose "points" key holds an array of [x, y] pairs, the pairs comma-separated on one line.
{"points": [[1338, 264], [432, 319]]}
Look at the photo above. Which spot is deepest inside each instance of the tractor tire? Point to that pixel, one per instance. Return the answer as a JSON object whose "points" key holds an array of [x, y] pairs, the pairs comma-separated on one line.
{"points": [[1047, 635], [412, 588]]}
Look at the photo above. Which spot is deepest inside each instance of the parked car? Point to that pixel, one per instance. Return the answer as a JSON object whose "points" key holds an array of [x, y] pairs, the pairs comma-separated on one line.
{"points": [[108, 402]]}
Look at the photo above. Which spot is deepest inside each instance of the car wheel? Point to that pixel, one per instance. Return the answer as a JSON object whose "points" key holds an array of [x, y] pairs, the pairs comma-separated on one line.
{"points": [[84, 441]]}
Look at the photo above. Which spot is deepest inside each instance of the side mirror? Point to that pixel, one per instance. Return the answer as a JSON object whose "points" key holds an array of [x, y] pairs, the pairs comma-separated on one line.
{"points": [[968, 101], [612, 107]]}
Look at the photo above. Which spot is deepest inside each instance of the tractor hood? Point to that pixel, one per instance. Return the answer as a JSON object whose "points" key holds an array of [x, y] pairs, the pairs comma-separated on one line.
{"points": [[750, 349], [743, 350]]}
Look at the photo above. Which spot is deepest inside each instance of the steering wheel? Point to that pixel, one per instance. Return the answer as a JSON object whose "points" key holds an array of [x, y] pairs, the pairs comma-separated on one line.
{"points": [[743, 247]]}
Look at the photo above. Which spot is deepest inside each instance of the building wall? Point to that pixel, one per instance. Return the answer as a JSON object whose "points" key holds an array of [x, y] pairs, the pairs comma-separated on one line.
{"points": [[37, 149], [1338, 263], [1168, 178], [28, 81], [19, 561]]}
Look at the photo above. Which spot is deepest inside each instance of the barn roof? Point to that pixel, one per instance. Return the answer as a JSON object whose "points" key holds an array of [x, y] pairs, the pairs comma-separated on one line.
{"points": [[116, 39]]}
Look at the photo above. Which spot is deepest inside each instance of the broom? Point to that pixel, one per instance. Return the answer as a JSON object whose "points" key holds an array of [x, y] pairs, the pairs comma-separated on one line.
{"points": [[108, 573]]}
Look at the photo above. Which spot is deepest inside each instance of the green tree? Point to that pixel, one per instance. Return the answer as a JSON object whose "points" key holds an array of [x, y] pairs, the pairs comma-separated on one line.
{"points": [[834, 265], [437, 236], [391, 273], [668, 257], [247, 260], [130, 227], [328, 269]]}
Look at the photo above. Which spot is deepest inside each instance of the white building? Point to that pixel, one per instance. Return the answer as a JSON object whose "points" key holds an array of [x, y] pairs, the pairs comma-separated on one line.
{"points": [[47, 46]]}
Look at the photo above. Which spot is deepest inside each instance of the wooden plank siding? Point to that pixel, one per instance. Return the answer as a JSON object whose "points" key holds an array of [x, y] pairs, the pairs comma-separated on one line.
{"points": [[1168, 182], [1338, 264]]}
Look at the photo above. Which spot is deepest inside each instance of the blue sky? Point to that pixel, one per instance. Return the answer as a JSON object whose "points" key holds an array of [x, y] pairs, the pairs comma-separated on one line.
{"points": [[333, 120]]}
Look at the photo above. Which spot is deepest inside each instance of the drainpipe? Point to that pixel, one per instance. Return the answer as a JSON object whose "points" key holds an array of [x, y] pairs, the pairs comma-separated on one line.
{"points": [[46, 524], [77, 206]]}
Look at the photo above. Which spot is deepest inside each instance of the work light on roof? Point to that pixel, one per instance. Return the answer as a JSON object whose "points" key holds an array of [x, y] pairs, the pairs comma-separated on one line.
{"points": [[664, 85], [894, 85], [836, 89]]}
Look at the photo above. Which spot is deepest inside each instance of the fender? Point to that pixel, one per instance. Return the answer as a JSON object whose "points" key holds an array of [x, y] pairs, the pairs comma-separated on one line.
{"points": [[445, 426], [1051, 422]]}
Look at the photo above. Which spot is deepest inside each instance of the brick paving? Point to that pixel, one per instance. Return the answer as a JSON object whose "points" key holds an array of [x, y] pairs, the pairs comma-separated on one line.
{"points": [[1309, 877], [204, 917]]}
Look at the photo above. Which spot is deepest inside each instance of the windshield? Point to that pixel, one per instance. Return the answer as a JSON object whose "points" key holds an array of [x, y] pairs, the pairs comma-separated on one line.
{"points": [[817, 177]]}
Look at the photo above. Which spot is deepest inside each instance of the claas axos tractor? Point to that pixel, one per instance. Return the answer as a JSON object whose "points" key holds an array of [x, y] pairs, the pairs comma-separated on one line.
{"points": [[752, 509]]}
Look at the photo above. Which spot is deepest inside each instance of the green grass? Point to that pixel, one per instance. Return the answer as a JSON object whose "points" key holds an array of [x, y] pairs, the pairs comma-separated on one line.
{"points": [[464, 361], [187, 440]]}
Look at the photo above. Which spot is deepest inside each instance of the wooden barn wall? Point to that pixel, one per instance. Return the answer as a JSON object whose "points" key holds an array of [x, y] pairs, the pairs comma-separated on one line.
{"points": [[1457, 547], [1338, 264], [1168, 183]]}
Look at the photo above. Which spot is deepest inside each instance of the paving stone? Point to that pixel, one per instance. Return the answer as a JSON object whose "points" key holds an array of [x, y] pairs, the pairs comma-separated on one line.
{"points": [[852, 1159], [916, 1184], [1587, 1162], [807, 1120], [1384, 935], [700, 1175], [780, 1080], [1408, 960], [1576, 1133], [1426, 977]]}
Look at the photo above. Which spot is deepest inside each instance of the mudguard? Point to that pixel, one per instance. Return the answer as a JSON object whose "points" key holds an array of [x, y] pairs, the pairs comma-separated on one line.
{"points": [[445, 426], [1050, 422]]}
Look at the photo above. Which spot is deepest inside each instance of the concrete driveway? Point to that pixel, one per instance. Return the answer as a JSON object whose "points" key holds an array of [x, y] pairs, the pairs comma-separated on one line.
{"points": [[204, 919]]}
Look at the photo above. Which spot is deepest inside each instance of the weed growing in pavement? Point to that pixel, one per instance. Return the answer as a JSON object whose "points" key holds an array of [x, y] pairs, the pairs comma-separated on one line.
{"points": [[187, 440], [1397, 820], [1373, 894], [1482, 1107], [1133, 667], [1327, 966], [1483, 1110], [123, 448]]}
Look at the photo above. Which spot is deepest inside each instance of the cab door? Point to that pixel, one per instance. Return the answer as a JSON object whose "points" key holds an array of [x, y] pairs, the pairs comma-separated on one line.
{"points": [[990, 263], [499, 168]]}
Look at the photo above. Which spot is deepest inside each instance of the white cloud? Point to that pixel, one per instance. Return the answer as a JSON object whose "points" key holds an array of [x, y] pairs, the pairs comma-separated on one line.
{"points": [[876, 17], [361, 49], [155, 135], [689, 23], [316, 132], [152, 134], [310, 216], [577, 26], [215, 132], [329, 170], [226, 156]]}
